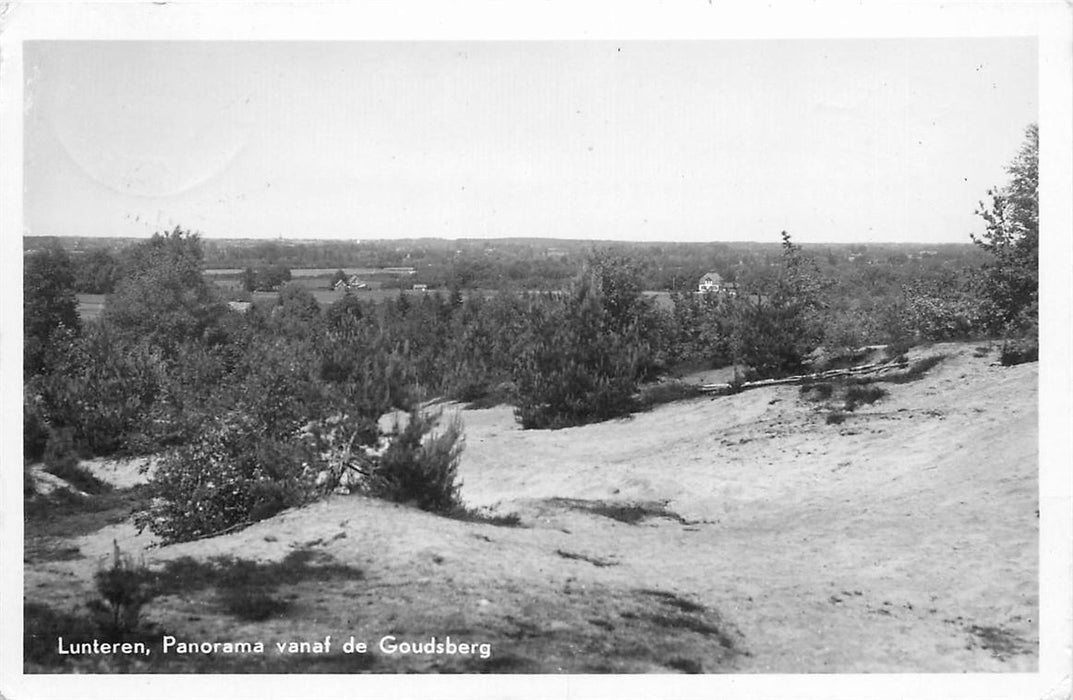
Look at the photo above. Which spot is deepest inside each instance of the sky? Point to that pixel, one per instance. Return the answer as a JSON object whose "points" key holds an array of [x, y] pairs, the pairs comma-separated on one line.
{"points": [[833, 140]]}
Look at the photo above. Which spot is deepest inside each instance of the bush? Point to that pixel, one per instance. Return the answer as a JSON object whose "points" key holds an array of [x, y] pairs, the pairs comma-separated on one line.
{"points": [[859, 394], [668, 392], [100, 386], [1015, 352], [942, 312], [124, 588], [917, 369], [421, 467], [34, 431], [820, 391], [836, 418], [61, 459], [231, 474]]}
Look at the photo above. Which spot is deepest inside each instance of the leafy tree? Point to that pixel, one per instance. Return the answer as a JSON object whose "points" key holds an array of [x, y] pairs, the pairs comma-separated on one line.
{"points": [[163, 298], [265, 279], [97, 272], [100, 384], [337, 277], [48, 303], [249, 279], [297, 312], [1010, 287]]}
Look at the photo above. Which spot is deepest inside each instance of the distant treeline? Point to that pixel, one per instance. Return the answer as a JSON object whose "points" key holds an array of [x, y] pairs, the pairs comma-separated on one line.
{"points": [[533, 264]]}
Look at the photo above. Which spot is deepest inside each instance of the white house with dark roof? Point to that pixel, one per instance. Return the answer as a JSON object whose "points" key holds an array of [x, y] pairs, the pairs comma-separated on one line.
{"points": [[711, 282]]}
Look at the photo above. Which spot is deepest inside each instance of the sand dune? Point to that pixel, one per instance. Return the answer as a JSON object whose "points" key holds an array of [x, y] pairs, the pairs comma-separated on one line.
{"points": [[763, 539]]}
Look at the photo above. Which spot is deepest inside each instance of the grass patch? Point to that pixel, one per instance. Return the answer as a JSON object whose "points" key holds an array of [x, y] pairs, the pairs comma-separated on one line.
{"points": [[43, 625], [836, 418], [484, 516], [673, 600], [247, 589], [61, 460], [915, 371], [861, 394], [245, 592], [685, 665], [79, 477], [48, 549], [820, 391], [897, 350], [631, 513], [500, 395], [66, 514], [1000, 642], [669, 391], [595, 561]]}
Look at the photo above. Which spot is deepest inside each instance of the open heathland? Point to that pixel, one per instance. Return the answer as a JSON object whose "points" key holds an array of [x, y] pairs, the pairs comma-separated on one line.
{"points": [[741, 533]]}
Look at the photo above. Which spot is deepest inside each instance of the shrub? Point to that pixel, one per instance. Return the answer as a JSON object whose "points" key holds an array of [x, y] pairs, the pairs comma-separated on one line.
{"points": [[100, 386], [484, 516], [836, 418], [821, 391], [667, 392], [859, 394], [941, 311], [897, 350], [421, 467], [124, 588], [34, 431], [61, 459], [917, 369], [231, 474], [1018, 351]]}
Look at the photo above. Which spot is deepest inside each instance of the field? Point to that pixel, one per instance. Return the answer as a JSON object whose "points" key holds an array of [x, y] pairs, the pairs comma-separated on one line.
{"points": [[742, 534], [90, 306]]}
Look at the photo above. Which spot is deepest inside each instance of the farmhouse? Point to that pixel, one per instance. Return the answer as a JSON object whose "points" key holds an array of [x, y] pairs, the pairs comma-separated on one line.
{"points": [[351, 282], [713, 282]]}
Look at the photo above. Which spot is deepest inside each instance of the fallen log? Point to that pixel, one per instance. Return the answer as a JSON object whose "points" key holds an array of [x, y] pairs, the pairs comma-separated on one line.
{"points": [[874, 368]]}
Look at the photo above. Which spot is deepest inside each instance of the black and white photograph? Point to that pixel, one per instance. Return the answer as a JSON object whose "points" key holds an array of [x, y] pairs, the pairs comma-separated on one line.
{"points": [[582, 363]]}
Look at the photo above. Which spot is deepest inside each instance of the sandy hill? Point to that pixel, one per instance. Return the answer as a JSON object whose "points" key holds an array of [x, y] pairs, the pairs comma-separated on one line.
{"points": [[740, 534]]}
